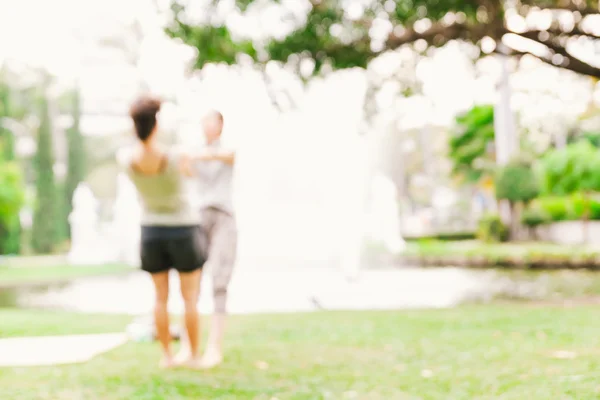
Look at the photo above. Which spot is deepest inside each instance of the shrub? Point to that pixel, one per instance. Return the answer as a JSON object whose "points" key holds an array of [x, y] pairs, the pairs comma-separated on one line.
{"points": [[492, 229], [12, 197], [575, 168], [517, 182], [557, 208], [535, 217], [579, 204], [562, 208], [450, 236]]}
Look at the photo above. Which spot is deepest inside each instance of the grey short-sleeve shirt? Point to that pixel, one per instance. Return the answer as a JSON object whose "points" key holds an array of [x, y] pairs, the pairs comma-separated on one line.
{"points": [[215, 183]]}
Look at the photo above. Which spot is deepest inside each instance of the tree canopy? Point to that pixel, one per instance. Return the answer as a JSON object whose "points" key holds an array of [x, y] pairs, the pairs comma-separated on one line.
{"points": [[350, 33], [470, 144], [517, 181]]}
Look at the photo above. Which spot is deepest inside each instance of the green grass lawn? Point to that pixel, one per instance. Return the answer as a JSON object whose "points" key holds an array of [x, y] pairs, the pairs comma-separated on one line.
{"points": [[10, 276], [476, 352]]}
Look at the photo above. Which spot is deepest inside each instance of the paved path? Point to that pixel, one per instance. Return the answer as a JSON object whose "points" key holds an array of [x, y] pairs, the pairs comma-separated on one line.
{"points": [[56, 350]]}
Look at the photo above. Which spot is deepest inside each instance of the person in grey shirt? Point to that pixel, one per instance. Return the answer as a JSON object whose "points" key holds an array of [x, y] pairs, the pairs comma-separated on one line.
{"points": [[213, 168], [171, 236]]}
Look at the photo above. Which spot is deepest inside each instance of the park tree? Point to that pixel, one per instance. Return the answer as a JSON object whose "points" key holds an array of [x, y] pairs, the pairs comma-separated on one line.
{"points": [[336, 34], [470, 145], [518, 183], [45, 229], [76, 163]]}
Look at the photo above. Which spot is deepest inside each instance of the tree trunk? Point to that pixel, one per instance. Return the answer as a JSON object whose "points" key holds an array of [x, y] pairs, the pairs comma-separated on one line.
{"points": [[586, 218], [516, 210], [3, 238], [505, 212]]}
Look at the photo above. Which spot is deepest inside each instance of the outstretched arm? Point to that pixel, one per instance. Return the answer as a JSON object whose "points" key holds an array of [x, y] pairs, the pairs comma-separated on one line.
{"points": [[228, 157]]}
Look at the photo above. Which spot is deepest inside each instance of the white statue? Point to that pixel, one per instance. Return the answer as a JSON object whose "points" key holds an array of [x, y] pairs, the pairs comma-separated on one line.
{"points": [[84, 228], [353, 207], [385, 218], [126, 223]]}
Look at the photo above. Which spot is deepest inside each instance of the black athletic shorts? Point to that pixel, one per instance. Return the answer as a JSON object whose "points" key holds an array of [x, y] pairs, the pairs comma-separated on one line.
{"points": [[183, 248]]}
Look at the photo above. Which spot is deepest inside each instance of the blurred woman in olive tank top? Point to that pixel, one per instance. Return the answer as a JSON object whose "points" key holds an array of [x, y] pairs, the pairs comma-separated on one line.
{"points": [[171, 236]]}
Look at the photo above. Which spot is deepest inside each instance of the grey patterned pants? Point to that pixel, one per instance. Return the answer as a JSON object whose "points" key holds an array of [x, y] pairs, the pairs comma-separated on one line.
{"points": [[222, 245]]}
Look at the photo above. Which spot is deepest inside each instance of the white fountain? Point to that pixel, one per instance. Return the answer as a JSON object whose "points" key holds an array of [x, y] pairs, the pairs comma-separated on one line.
{"points": [[126, 223], [85, 249]]}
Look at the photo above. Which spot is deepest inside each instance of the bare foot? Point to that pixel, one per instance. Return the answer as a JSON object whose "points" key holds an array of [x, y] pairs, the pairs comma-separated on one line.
{"points": [[167, 362], [208, 361], [182, 357], [193, 363], [211, 359]]}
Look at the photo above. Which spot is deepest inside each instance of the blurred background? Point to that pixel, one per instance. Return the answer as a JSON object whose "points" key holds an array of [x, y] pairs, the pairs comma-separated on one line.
{"points": [[385, 149]]}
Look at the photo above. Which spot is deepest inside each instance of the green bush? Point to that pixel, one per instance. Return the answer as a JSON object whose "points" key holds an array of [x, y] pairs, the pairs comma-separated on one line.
{"points": [[12, 197], [535, 217], [561, 208], [517, 182], [491, 229], [592, 137], [449, 236], [579, 204], [558, 208], [573, 169]]}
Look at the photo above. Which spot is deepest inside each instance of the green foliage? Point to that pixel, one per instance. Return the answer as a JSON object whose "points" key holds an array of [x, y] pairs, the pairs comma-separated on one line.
{"points": [[547, 209], [491, 229], [584, 206], [449, 236], [76, 165], [558, 208], [326, 32], [535, 216], [45, 227], [214, 43], [572, 169], [11, 190], [471, 142], [517, 182], [6, 137], [592, 137], [62, 215], [12, 197], [574, 207], [315, 36]]}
